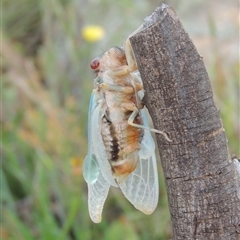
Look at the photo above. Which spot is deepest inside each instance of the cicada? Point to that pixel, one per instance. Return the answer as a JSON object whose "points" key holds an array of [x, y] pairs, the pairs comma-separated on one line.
{"points": [[121, 148]]}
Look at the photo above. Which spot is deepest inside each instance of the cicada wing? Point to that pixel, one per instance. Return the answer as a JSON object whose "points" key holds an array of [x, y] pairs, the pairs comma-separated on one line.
{"points": [[141, 186], [90, 165], [95, 172], [97, 194], [100, 150], [147, 143], [96, 161]]}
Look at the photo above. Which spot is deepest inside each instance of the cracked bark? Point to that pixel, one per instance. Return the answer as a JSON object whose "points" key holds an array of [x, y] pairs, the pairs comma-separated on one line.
{"points": [[201, 179]]}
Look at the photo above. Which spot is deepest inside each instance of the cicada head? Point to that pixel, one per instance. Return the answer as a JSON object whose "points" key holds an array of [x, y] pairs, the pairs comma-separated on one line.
{"points": [[113, 58]]}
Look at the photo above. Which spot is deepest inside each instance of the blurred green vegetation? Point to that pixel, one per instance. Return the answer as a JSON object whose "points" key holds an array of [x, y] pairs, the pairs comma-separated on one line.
{"points": [[46, 85]]}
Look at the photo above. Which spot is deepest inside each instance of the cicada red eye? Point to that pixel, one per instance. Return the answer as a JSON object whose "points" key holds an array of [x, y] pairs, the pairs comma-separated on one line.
{"points": [[95, 64]]}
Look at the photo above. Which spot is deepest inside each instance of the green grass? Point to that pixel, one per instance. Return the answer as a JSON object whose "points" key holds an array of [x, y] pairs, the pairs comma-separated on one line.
{"points": [[46, 85]]}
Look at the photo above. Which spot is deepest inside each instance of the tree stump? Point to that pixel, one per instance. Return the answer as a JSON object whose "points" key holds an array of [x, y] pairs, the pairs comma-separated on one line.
{"points": [[202, 181]]}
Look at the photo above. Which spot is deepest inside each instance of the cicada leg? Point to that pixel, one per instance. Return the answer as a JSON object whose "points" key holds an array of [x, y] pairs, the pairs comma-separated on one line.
{"points": [[130, 106], [131, 119], [125, 89], [126, 69], [112, 87], [129, 52], [130, 56]]}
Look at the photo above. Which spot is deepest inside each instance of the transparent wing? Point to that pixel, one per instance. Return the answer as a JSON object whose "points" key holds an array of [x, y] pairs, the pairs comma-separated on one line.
{"points": [[97, 194], [147, 144], [141, 186], [96, 168], [96, 161], [90, 165], [99, 148]]}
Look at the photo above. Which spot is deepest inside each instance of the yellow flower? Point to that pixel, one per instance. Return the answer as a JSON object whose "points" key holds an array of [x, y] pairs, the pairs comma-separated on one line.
{"points": [[76, 164], [93, 33]]}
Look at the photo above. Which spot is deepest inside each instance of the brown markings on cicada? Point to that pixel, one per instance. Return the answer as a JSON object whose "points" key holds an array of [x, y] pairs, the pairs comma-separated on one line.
{"points": [[130, 139], [134, 134], [122, 143], [109, 138]]}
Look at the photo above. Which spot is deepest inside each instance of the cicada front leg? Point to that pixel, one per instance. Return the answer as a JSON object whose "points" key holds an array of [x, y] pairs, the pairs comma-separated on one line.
{"points": [[129, 51], [131, 63]]}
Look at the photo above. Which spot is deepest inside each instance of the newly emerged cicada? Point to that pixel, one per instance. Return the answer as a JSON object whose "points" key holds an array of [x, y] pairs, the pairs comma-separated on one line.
{"points": [[121, 149]]}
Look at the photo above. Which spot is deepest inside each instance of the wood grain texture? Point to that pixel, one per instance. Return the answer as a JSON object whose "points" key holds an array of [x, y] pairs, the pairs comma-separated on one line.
{"points": [[201, 179]]}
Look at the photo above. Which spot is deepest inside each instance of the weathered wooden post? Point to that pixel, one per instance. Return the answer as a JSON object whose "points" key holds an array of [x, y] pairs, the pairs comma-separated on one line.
{"points": [[201, 179]]}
